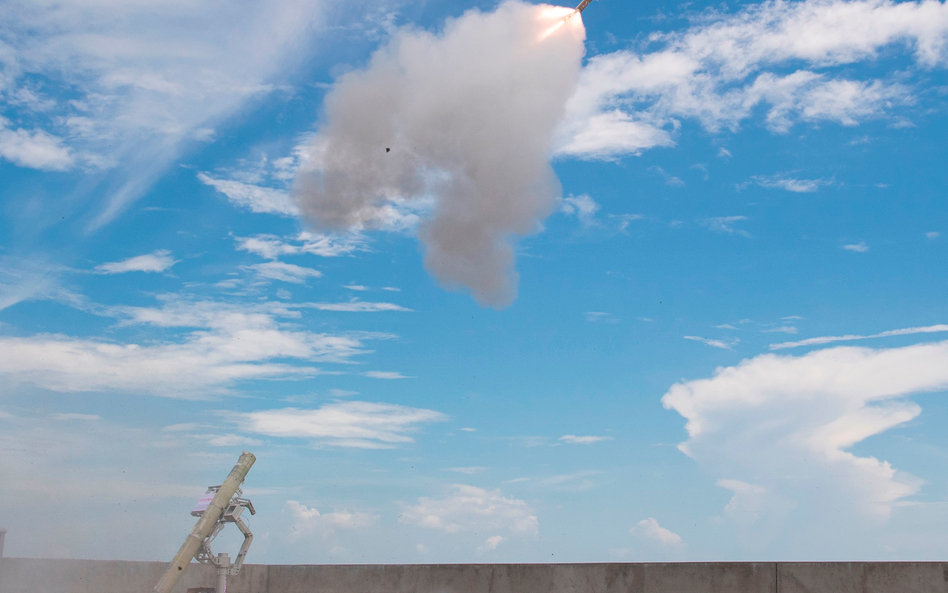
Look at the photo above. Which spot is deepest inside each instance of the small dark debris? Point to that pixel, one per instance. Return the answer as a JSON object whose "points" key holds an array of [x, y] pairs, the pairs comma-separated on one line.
{"points": [[388, 150]]}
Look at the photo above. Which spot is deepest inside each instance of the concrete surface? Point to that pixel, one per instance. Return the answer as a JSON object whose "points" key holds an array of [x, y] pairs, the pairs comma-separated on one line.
{"points": [[30, 575]]}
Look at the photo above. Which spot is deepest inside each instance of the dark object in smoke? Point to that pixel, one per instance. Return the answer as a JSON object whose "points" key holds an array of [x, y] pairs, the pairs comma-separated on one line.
{"points": [[388, 150]]}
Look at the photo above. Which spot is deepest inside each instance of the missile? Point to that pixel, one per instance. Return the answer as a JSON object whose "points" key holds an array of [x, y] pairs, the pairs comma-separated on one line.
{"points": [[583, 5], [206, 523]]}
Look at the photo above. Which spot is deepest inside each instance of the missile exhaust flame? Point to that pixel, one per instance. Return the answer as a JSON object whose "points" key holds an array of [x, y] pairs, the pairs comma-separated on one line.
{"points": [[561, 14]]}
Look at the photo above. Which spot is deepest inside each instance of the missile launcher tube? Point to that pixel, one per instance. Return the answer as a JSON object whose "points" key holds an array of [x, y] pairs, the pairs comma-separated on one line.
{"points": [[206, 523]]}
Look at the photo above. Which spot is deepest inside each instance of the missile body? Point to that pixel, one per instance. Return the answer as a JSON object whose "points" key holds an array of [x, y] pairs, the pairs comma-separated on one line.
{"points": [[583, 5], [206, 523]]}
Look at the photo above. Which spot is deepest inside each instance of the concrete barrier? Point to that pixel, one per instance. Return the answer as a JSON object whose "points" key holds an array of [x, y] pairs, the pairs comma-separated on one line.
{"points": [[30, 575]]}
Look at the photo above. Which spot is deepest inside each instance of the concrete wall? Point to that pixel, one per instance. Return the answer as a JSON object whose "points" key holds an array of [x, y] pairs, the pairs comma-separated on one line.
{"points": [[27, 575]]}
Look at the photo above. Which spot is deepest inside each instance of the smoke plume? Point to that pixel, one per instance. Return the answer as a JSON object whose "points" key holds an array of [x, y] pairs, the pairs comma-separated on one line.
{"points": [[456, 127]]}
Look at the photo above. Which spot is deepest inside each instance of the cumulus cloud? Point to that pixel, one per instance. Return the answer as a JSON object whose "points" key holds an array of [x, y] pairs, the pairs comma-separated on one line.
{"points": [[650, 529], [463, 121], [780, 429], [362, 425], [783, 57], [469, 508], [157, 261], [36, 149]]}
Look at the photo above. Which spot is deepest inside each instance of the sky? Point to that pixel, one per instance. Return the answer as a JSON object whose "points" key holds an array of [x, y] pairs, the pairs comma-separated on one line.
{"points": [[476, 281]]}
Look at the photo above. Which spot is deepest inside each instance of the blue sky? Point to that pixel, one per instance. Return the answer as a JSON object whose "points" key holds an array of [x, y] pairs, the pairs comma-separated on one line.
{"points": [[671, 287]]}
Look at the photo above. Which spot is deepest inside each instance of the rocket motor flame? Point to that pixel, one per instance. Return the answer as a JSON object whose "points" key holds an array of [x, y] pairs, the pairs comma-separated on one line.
{"points": [[561, 15]]}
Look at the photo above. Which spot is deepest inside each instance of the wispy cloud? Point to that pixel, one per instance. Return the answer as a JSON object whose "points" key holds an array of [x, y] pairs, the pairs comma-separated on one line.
{"points": [[215, 346], [788, 183], [668, 177], [354, 424], [469, 508], [650, 529], [723, 344], [275, 270], [389, 375], [725, 224], [600, 317], [273, 247], [582, 207], [253, 197], [860, 247], [583, 440], [930, 329], [468, 470], [157, 261], [308, 521], [353, 307]]}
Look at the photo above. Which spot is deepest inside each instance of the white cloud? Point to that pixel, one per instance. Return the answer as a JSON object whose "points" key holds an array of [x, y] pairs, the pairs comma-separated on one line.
{"points": [[908, 331], [468, 470], [783, 329], [363, 425], [469, 508], [223, 343], [133, 103], [575, 482], [157, 261], [490, 544], [357, 287], [932, 235], [860, 247], [668, 177], [725, 224], [75, 416], [255, 198], [572, 439], [35, 149], [273, 247], [385, 375], [600, 317], [650, 529], [790, 183], [308, 520], [354, 307], [232, 440], [786, 57], [582, 207], [723, 344], [275, 270], [784, 427]]}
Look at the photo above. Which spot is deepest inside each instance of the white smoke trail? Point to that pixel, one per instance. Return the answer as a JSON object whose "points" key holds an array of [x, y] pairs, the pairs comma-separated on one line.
{"points": [[462, 121]]}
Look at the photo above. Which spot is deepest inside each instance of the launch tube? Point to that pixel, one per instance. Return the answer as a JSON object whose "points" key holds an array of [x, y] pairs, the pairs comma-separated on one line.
{"points": [[206, 523]]}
